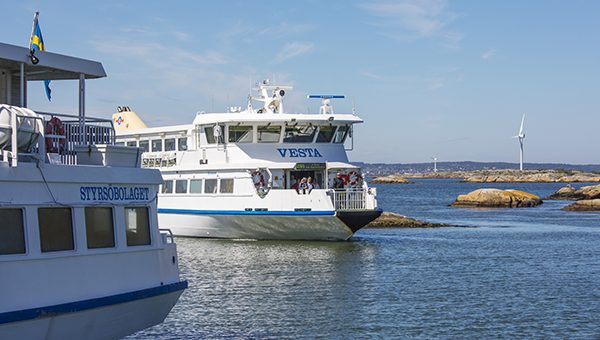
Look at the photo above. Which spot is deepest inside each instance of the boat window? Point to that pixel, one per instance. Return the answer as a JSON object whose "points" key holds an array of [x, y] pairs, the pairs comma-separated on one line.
{"points": [[226, 186], [120, 143], [299, 134], [210, 186], [181, 186], [170, 144], [325, 133], [132, 143], [195, 186], [182, 144], [209, 131], [99, 227], [12, 234], [157, 145], [137, 226], [56, 229], [269, 134], [340, 134], [240, 134], [167, 187], [144, 144]]}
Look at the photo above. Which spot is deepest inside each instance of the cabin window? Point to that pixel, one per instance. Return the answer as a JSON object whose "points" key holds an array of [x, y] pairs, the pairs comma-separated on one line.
{"points": [[144, 144], [120, 143], [195, 186], [12, 233], [210, 186], [340, 134], [240, 134], [137, 226], [157, 145], [99, 227], [269, 134], [56, 229], [170, 144], [209, 132], [181, 186], [182, 144], [167, 187], [132, 143], [226, 186], [325, 134], [299, 134]]}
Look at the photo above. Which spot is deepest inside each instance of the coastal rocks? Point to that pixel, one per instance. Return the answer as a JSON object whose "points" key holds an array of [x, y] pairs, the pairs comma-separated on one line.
{"points": [[393, 220], [391, 179], [529, 176], [496, 198], [584, 205], [584, 193]]}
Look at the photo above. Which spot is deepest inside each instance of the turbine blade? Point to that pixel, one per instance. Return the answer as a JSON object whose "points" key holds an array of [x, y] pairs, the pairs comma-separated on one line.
{"points": [[522, 121]]}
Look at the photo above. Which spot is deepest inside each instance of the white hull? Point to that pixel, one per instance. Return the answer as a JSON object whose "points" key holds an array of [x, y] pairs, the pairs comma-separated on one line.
{"points": [[273, 227], [109, 322]]}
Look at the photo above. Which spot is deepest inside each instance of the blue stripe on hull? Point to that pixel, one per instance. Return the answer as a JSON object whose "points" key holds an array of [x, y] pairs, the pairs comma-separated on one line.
{"points": [[77, 306], [244, 212]]}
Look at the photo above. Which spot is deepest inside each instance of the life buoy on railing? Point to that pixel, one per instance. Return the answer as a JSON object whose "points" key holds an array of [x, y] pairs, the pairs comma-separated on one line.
{"points": [[354, 179], [55, 128]]}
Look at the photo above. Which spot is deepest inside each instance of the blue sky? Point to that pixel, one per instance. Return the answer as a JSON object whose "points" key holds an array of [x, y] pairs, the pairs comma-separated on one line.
{"points": [[430, 78]]}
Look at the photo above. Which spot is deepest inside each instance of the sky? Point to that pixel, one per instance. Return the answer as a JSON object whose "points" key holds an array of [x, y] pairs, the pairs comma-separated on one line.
{"points": [[430, 78]]}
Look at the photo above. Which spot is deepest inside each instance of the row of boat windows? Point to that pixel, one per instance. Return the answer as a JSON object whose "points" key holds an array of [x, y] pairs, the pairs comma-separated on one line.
{"points": [[55, 226], [198, 186], [273, 133], [159, 145]]}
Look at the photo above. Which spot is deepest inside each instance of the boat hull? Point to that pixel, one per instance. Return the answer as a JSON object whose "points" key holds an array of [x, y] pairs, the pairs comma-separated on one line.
{"points": [[111, 317], [268, 226]]}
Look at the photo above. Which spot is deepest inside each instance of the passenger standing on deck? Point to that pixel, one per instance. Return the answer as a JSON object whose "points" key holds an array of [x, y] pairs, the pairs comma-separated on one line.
{"points": [[310, 185], [303, 186]]}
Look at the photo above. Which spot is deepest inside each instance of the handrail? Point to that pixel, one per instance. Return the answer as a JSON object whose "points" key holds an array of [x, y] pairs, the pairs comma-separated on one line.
{"points": [[168, 233]]}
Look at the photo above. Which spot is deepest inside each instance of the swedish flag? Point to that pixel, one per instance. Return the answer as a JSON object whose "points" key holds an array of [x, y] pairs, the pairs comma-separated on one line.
{"points": [[37, 44]]}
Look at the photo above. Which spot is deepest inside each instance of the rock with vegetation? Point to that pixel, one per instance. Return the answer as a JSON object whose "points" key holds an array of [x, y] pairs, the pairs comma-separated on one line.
{"points": [[584, 205], [589, 192], [497, 198], [512, 176], [391, 179], [393, 220]]}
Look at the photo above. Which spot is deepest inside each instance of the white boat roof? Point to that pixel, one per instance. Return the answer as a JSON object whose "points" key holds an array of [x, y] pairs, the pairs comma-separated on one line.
{"points": [[51, 66], [251, 117]]}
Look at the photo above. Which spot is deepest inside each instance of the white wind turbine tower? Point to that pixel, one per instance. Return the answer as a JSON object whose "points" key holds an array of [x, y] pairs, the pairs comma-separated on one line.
{"points": [[434, 164], [521, 137]]}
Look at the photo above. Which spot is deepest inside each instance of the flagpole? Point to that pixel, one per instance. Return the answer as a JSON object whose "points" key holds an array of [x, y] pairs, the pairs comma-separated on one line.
{"points": [[35, 19]]}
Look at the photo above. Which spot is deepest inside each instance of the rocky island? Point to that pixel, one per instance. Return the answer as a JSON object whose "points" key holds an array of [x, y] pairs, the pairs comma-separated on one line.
{"points": [[390, 179], [496, 198], [506, 176], [394, 220], [587, 197]]}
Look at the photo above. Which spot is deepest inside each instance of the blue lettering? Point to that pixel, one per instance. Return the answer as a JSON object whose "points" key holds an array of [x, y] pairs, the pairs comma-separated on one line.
{"points": [[317, 153], [282, 151], [310, 152], [293, 153], [302, 153], [82, 193]]}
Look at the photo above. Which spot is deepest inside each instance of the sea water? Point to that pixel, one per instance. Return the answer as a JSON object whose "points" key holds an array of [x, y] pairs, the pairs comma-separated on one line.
{"points": [[506, 273]]}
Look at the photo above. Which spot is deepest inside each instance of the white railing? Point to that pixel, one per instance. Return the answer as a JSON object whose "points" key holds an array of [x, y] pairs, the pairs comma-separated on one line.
{"points": [[167, 235], [349, 199]]}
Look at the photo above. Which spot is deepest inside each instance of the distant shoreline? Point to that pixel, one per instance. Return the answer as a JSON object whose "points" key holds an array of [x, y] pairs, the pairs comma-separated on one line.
{"points": [[498, 176]]}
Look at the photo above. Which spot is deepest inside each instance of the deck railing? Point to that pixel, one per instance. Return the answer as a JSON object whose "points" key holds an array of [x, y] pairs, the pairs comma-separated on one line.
{"points": [[349, 199]]}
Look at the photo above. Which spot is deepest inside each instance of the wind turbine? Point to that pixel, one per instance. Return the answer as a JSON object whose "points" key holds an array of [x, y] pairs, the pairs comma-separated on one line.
{"points": [[521, 137], [434, 164]]}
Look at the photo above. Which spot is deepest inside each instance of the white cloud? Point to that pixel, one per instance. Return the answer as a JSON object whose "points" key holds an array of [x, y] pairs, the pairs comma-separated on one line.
{"points": [[416, 19], [489, 54], [292, 50]]}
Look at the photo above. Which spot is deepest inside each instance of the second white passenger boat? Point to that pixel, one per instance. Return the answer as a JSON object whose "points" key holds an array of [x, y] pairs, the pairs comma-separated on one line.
{"points": [[257, 173]]}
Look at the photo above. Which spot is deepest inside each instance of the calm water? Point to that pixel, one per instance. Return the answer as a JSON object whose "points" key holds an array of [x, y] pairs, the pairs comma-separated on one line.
{"points": [[515, 273]]}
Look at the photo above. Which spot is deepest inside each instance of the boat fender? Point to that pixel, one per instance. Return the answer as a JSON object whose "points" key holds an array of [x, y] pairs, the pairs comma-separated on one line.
{"points": [[55, 127]]}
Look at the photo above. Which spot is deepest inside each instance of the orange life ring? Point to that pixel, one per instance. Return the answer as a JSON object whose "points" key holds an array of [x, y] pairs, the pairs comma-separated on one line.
{"points": [[55, 127]]}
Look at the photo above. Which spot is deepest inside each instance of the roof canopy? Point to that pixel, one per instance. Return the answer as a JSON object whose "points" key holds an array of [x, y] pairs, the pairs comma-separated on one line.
{"points": [[51, 66]]}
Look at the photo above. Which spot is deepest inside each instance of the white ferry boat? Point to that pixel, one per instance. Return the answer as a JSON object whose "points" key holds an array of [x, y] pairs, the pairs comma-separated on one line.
{"points": [[257, 173], [81, 255]]}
